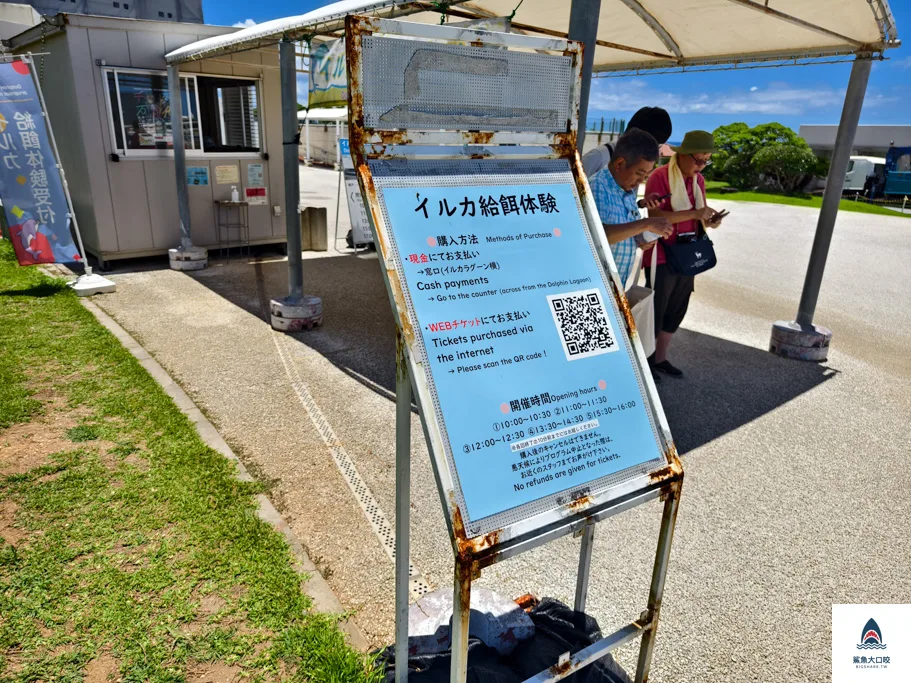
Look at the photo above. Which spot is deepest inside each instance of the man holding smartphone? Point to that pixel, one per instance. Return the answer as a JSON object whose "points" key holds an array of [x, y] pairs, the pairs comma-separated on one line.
{"points": [[614, 192], [685, 207]]}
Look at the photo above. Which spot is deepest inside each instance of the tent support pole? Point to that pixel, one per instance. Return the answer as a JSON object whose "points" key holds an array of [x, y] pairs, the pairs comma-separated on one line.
{"points": [[186, 256], [297, 311], [802, 339], [583, 26]]}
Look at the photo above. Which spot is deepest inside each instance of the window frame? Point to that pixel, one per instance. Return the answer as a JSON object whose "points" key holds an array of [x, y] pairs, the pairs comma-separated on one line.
{"points": [[195, 122]]}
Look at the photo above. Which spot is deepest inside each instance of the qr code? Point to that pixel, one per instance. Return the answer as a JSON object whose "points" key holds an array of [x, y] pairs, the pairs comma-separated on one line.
{"points": [[582, 323]]}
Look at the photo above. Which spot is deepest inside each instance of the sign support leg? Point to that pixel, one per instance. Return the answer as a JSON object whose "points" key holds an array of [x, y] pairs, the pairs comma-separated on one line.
{"points": [[461, 611], [402, 508], [659, 574], [585, 561]]}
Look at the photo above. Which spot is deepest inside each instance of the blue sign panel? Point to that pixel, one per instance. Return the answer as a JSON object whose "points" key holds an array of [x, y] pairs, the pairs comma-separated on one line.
{"points": [[30, 185], [532, 369], [197, 175], [343, 147]]}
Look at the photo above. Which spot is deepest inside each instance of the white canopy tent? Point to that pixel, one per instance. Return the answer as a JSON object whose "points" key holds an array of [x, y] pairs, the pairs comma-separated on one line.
{"points": [[630, 36]]}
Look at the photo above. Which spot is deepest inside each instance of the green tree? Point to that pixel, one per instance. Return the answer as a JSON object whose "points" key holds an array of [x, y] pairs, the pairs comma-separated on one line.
{"points": [[784, 166], [736, 145]]}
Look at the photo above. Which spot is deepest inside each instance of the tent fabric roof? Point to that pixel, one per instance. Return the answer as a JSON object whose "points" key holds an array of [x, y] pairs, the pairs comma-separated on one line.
{"points": [[632, 34]]}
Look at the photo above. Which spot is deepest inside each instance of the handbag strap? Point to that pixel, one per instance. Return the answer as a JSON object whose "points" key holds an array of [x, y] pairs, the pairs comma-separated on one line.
{"points": [[654, 267]]}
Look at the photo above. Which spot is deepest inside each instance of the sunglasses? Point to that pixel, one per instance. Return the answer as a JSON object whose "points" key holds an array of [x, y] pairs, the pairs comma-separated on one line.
{"points": [[707, 161]]}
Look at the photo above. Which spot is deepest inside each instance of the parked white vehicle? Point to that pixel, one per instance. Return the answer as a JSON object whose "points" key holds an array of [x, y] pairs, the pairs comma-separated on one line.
{"points": [[858, 170]]}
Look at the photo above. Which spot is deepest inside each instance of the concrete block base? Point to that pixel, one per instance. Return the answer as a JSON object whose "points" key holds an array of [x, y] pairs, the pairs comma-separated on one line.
{"points": [[194, 258], [800, 343], [499, 622], [296, 315], [86, 285]]}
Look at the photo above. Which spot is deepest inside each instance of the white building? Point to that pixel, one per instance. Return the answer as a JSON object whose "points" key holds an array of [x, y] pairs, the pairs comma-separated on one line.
{"points": [[871, 141]]}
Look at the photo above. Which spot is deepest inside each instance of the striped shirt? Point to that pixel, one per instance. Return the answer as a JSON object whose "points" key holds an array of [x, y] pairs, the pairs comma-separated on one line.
{"points": [[616, 206]]}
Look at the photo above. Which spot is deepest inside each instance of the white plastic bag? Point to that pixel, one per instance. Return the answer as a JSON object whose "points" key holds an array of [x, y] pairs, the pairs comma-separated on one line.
{"points": [[642, 305]]}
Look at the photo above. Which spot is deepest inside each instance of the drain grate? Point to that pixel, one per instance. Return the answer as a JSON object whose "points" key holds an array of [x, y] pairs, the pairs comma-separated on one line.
{"points": [[378, 520]]}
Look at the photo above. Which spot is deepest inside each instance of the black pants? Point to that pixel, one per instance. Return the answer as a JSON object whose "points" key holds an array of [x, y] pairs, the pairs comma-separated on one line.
{"points": [[672, 297]]}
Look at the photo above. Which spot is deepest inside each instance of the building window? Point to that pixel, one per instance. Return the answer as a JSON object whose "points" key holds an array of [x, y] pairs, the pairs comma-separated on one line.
{"points": [[116, 5], [220, 114], [229, 115], [170, 16], [161, 14]]}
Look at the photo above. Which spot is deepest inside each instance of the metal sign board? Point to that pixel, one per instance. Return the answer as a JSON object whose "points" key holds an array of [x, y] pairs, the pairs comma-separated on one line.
{"points": [[538, 408], [532, 380], [535, 394]]}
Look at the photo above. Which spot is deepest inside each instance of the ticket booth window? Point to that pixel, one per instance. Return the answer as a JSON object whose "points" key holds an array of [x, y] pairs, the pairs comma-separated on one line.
{"points": [[219, 115]]}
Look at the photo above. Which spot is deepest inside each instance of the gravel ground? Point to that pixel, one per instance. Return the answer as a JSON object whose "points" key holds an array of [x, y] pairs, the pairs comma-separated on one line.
{"points": [[795, 473]]}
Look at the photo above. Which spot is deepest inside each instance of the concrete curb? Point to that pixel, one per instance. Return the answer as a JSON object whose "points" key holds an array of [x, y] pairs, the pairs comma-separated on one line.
{"points": [[324, 600]]}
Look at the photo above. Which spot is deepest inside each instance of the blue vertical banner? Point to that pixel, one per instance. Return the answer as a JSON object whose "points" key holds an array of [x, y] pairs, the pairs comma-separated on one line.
{"points": [[30, 184]]}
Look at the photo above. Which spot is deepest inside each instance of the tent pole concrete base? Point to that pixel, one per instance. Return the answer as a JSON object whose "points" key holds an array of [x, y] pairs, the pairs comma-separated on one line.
{"points": [[296, 314], [800, 342], [86, 285], [191, 258]]}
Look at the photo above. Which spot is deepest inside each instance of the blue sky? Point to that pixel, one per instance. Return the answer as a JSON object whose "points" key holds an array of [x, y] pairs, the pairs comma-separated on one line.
{"points": [[790, 95]]}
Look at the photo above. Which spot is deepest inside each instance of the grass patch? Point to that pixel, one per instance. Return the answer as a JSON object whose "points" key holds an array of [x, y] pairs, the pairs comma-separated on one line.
{"points": [[136, 547], [810, 201]]}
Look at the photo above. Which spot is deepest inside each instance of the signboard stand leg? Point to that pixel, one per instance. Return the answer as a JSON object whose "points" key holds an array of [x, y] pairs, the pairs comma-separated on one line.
{"points": [[659, 574], [402, 508], [461, 611], [585, 562]]}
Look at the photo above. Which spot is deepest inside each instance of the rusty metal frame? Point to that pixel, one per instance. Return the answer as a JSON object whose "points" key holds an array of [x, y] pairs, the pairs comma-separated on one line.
{"points": [[473, 553]]}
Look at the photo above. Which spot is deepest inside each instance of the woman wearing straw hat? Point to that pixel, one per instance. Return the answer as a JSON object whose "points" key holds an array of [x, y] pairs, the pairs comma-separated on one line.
{"points": [[685, 209]]}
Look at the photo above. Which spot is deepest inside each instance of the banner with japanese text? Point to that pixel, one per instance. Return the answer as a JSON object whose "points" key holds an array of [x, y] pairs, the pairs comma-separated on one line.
{"points": [[328, 77], [30, 185]]}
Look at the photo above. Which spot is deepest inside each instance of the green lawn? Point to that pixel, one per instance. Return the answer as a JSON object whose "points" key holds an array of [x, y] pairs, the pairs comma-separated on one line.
{"points": [[712, 187], [127, 547]]}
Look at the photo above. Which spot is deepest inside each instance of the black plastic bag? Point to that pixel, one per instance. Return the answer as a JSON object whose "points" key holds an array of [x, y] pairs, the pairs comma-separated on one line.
{"points": [[558, 629]]}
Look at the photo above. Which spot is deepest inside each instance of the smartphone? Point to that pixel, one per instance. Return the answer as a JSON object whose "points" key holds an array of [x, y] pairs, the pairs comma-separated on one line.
{"points": [[641, 202]]}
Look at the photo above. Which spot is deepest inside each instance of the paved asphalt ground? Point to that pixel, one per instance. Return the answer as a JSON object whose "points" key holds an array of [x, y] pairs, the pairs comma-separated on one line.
{"points": [[796, 474]]}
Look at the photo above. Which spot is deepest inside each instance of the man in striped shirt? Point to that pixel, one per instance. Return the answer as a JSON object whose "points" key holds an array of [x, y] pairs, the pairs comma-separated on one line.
{"points": [[614, 192]]}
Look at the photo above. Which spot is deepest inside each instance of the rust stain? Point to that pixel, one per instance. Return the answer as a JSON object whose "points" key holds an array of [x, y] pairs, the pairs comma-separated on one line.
{"points": [[479, 156], [564, 145], [392, 137], [356, 135], [467, 548], [627, 312], [477, 43], [478, 137], [372, 203], [399, 295], [527, 602], [561, 669], [580, 504]]}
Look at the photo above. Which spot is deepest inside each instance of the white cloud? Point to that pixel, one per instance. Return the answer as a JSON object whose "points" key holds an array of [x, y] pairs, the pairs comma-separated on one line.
{"points": [[246, 23], [778, 99]]}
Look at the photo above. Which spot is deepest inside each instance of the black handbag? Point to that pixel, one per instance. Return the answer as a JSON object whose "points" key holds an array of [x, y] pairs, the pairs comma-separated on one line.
{"points": [[690, 258]]}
